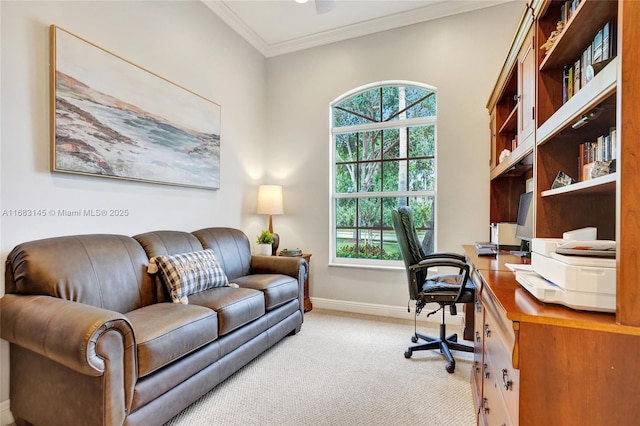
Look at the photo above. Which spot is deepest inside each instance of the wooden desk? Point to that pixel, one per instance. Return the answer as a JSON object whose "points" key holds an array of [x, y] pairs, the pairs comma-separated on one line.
{"points": [[486, 263], [538, 363]]}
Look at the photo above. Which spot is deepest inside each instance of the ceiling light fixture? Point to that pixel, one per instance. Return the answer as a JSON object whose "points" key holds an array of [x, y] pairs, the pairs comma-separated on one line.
{"points": [[301, 1]]}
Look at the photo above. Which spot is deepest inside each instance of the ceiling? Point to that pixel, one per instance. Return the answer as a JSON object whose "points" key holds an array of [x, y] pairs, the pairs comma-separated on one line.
{"points": [[276, 27]]}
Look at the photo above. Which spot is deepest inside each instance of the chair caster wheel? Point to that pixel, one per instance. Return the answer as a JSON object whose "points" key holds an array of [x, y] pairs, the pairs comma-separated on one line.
{"points": [[408, 353], [454, 338], [414, 339], [451, 367]]}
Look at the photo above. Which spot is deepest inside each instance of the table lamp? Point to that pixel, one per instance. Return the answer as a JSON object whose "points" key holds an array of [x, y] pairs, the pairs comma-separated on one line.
{"points": [[270, 202]]}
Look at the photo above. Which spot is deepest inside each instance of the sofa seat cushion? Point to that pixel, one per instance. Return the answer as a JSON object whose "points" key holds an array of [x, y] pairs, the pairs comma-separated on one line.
{"points": [[278, 289], [165, 332], [235, 306]]}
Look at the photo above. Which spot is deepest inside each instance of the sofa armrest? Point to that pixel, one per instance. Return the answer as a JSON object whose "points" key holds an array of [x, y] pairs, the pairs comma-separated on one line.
{"points": [[293, 266], [67, 332]]}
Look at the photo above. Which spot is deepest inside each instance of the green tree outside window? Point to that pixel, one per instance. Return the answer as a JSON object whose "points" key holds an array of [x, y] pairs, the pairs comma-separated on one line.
{"points": [[384, 156]]}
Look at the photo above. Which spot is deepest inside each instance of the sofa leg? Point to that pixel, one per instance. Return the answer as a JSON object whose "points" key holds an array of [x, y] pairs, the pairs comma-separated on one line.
{"points": [[296, 330]]}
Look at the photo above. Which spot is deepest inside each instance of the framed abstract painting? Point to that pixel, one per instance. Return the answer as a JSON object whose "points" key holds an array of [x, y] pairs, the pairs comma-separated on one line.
{"points": [[112, 118]]}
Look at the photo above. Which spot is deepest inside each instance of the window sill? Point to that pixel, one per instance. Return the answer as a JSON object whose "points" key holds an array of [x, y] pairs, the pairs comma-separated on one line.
{"points": [[372, 267]]}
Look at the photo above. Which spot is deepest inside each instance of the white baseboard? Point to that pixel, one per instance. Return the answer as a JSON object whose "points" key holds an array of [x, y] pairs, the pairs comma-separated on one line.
{"points": [[388, 311], [6, 418]]}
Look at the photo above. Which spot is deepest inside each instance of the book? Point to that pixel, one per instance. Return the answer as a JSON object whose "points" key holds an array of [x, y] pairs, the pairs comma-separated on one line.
{"points": [[576, 76], [613, 140], [586, 61], [613, 38], [570, 88], [606, 37], [566, 83], [597, 47]]}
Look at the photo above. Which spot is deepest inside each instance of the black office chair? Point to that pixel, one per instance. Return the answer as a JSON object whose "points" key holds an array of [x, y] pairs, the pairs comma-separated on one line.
{"points": [[445, 290]]}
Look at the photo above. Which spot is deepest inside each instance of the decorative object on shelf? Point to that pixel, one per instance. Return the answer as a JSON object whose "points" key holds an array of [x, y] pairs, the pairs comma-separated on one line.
{"points": [[504, 154], [291, 252], [270, 202], [603, 168], [114, 119], [562, 179], [553, 37], [593, 69], [265, 242], [597, 158]]}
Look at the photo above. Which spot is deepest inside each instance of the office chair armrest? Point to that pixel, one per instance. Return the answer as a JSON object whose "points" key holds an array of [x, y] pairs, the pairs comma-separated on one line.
{"points": [[446, 255], [429, 263]]}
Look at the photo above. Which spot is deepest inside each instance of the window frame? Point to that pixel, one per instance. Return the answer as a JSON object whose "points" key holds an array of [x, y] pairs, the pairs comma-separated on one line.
{"points": [[402, 125]]}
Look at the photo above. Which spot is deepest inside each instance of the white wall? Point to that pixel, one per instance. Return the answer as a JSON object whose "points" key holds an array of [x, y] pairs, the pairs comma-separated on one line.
{"points": [[181, 41], [460, 55]]}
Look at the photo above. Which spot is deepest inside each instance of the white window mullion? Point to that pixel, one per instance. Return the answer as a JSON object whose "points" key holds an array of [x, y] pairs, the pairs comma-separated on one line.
{"points": [[398, 124]]}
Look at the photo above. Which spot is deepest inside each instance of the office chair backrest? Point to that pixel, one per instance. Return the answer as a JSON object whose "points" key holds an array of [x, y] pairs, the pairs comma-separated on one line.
{"points": [[410, 246]]}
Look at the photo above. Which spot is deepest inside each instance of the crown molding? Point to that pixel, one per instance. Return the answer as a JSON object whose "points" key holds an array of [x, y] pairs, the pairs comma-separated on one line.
{"points": [[237, 24], [435, 11]]}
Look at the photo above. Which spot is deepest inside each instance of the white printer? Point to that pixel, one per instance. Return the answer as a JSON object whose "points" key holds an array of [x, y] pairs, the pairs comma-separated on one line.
{"points": [[580, 274]]}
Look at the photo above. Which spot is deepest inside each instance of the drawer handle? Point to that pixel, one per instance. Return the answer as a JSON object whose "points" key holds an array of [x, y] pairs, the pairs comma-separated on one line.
{"points": [[478, 336], [506, 383], [485, 405], [487, 331], [476, 366], [487, 373]]}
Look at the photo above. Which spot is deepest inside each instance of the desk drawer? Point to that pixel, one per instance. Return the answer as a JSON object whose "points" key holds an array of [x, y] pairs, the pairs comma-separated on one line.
{"points": [[478, 352], [478, 342], [493, 410], [502, 381]]}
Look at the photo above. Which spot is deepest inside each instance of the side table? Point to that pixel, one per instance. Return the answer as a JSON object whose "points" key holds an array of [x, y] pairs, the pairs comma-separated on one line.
{"points": [[307, 301]]}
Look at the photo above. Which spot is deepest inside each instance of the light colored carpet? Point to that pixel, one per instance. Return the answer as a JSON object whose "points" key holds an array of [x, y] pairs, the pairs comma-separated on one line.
{"points": [[342, 369]]}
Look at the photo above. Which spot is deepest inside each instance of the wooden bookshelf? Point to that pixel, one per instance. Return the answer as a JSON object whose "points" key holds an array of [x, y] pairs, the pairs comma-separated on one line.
{"points": [[611, 203]]}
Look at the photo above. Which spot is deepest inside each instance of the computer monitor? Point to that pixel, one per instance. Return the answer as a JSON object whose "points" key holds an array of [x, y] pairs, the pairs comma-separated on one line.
{"points": [[524, 225]]}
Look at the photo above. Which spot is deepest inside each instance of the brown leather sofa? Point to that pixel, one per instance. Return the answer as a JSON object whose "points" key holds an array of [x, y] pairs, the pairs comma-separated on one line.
{"points": [[95, 340]]}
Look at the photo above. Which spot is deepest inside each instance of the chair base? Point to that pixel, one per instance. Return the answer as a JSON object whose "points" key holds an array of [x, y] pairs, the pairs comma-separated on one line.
{"points": [[445, 343]]}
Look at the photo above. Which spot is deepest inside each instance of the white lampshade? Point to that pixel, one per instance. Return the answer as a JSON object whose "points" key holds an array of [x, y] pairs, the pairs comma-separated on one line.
{"points": [[270, 199]]}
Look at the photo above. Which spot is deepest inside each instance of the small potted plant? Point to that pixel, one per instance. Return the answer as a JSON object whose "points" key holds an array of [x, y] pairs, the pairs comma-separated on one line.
{"points": [[265, 240]]}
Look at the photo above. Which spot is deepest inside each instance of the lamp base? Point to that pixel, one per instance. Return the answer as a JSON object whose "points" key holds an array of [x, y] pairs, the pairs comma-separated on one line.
{"points": [[276, 243]]}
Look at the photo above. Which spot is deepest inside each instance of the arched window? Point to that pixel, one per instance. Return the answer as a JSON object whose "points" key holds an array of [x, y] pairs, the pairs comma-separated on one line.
{"points": [[383, 155]]}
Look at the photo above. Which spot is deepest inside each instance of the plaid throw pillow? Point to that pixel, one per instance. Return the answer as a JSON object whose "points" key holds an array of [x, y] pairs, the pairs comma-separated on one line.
{"points": [[189, 273]]}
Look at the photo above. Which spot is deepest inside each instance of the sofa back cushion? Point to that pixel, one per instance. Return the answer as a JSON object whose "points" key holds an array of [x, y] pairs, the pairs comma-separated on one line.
{"points": [[107, 271], [231, 247]]}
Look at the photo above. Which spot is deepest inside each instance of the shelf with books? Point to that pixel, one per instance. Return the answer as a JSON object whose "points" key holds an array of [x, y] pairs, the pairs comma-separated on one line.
{"points": [[588, 17], [601, 88], [585, 46], [611, 100]]}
